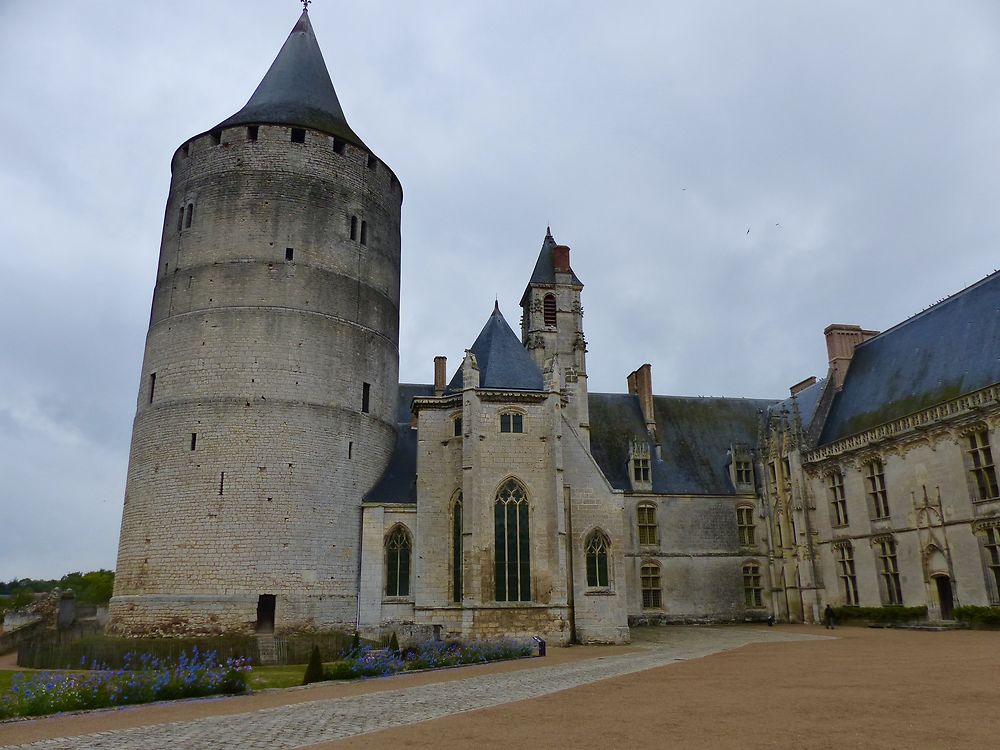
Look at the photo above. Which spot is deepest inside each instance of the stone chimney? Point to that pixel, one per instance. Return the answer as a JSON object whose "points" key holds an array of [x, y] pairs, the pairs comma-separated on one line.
{"points": [[470, 370], [560, 259], [802, 385], [440, 374], [640, 383], [840, 342]]}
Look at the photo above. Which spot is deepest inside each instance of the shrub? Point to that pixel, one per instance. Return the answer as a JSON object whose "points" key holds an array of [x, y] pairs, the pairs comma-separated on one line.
{"points": [[394, 643], [356, 643], [880, 614], [978, 615], [314, 669], [144, 678]]}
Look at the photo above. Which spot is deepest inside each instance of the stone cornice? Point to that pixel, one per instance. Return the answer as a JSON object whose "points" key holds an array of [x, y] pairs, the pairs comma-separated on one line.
{"points": [[913, 426]]}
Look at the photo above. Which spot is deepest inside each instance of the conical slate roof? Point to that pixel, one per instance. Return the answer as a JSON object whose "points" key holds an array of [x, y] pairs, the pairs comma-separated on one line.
{"points": [[545, 272], [297, 90], [503, 361]]}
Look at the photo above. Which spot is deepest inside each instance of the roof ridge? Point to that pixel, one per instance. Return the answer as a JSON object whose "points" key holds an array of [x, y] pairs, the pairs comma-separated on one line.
{"points": [[930, 308]]}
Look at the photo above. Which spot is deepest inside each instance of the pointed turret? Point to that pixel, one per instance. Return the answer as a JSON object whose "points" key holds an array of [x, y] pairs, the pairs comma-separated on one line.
{"points": [[549, 261], [503, 361], [297, 90]]}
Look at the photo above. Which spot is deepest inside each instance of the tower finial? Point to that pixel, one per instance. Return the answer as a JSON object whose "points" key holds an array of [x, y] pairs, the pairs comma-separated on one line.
{"points": [[305, 5]]}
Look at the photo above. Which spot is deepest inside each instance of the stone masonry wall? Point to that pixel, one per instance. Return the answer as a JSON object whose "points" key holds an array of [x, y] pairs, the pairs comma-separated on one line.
{"points": [[250, 450]]}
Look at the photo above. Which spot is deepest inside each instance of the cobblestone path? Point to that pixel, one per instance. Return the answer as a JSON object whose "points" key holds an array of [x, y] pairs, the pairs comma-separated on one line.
{"points": [[305, 724]]}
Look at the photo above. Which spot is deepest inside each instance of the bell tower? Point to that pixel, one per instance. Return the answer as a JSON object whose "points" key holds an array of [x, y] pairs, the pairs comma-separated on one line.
{"points": [[267, 397], [552, 327]]}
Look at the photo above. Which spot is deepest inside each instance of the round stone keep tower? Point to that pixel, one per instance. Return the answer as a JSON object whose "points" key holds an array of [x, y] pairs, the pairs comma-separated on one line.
{"points": [[269, 382]]}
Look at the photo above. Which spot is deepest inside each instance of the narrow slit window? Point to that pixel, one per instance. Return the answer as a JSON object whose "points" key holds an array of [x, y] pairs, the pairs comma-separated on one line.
{"points": [[216, 137], [298, 135], [222, 482], [372, 161], [252, 132], [366, 396], [354, 227], [180, 219], [194, 440], [350, 449], [289, 253], [189, 216], [338, 146], [458, 426], [364, 232], [152, 385], [186, 149]]}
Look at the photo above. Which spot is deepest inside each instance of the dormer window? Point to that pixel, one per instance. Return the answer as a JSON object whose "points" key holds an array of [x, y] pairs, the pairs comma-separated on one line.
{"points": [[549, 310], [744, 472], [640, 470], [511, 422]]}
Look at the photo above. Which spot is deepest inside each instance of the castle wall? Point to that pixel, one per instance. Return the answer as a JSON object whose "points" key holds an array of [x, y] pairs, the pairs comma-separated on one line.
{"points": [[252, 446]]}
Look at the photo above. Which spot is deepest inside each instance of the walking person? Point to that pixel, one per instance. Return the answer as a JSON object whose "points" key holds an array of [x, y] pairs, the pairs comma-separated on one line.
{"points": [[828, 617]]}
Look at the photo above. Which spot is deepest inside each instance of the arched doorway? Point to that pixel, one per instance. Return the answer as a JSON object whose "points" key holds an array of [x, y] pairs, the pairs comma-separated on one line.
{"points": [[946, 599]]}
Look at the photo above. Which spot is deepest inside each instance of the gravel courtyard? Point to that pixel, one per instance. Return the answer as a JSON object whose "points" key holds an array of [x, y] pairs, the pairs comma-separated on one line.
{"points": [[708, 687]]}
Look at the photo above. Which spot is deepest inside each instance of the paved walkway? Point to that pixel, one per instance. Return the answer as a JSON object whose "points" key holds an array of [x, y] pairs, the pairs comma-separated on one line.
{"points": [[313, 722]]}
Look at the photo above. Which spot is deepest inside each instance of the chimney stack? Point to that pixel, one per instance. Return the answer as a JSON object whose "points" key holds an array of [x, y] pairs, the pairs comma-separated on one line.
{"points": [[440, 374], [802, 385], [640, 383], [560, 259], [840, 342]]}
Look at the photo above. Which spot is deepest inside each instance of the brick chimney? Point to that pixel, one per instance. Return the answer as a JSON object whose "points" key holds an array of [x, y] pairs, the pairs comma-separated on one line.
{"points": [[840, 342], [560, 259], [802, 385], [640, 383], [440, 374]]}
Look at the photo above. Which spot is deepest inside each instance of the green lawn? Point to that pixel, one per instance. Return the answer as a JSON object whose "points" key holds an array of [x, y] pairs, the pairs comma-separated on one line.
{"points": [[283, 676], [5, 678]]}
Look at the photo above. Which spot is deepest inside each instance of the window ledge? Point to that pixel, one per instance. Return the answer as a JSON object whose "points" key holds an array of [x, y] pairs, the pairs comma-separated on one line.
{"points": [[599, 592], [397, 600], [840, 525], [981, 501]]}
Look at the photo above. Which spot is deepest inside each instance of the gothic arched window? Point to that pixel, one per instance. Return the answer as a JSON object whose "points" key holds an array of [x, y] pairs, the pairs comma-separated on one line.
{"points": [[549, 310], [513, 549], [597, 560], [397, 562]]}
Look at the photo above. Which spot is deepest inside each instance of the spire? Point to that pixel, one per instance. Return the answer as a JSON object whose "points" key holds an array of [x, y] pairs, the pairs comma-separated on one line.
{"points": [[503, 361], [297, 90], [544, 272]]}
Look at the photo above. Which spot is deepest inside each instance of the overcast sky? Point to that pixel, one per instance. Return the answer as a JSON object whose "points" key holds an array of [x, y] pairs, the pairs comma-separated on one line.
{"points": [[856, 141]]}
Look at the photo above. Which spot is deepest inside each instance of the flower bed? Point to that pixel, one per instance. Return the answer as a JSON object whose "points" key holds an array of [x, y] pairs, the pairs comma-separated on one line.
{"points": [[144, 678], [368, 662]]}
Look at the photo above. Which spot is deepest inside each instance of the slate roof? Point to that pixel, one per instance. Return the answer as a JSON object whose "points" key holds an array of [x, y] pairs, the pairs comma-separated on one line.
{"points": [[398, 483], [544, 272], [807, 400], [503, 361], [695, 435], [297, 90], [945, 351]]}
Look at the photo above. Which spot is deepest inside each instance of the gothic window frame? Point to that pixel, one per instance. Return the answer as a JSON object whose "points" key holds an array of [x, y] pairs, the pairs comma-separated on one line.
{"points": [[398, 555], [651, 584], [647, 526], [746, 527], [456, 424], [887, 562], [743, 472], [982, 473], [878, 497], [988, 538], [753, 584], [847, 572], [836, 496], [641, 470], [511, 422], [597, 553], [457, 549], [512, 534]]}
